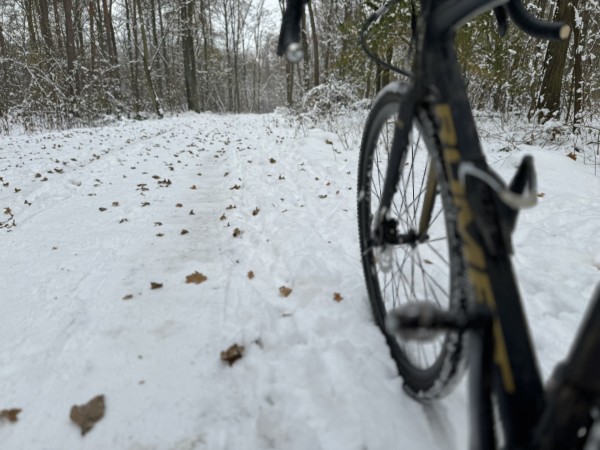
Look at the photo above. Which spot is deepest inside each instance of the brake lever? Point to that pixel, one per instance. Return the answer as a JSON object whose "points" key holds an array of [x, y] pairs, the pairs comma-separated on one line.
{"points": [[502, 19]]}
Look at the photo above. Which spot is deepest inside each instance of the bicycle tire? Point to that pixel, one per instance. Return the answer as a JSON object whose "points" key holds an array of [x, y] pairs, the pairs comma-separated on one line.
{"points": [[438, 375]]}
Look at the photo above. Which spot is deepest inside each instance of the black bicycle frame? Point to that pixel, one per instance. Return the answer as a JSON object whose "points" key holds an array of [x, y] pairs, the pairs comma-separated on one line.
{"points": [[505, 381]]}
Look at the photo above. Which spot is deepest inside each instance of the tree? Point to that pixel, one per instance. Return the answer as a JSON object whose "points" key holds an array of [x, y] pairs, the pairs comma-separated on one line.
{"points": [[189, 59], [71, 54], [548, 102]]}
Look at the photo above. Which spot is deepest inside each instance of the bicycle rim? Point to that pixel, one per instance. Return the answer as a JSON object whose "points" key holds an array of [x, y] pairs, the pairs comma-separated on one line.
{"points": [[428, 271]]}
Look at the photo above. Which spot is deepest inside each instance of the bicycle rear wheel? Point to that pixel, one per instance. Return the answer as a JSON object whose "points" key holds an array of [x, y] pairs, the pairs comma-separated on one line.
{"points": [[429, 269]]}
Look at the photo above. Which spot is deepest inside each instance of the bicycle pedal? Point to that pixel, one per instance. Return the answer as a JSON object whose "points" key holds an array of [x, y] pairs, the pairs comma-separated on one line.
{"points": [[423, 321]]}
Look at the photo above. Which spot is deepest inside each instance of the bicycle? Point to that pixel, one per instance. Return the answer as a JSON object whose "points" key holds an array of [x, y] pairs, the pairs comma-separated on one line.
{"points": [[435, 225]]}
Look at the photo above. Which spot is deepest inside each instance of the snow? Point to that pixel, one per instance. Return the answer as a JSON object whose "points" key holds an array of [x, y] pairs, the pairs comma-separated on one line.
{"points": [[79, 317]]}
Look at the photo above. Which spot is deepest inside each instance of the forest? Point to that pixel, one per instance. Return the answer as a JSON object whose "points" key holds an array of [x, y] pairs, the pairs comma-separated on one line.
{"points": [[67, 63]]}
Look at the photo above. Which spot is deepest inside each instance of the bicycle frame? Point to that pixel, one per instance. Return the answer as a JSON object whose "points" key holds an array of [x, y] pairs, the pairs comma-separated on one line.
{"points": [[505, 376]]}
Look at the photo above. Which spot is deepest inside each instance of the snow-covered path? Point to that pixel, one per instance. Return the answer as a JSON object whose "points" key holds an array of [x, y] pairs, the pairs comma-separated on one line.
{"points": [[258, 209]]}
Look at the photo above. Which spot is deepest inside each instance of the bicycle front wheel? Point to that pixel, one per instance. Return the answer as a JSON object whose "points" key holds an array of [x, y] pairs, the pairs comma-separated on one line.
{"points": [[426, 268]]}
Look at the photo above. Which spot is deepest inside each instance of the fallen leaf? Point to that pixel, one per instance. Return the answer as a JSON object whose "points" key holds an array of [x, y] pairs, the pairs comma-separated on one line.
{"points": [[195, 278], [285, 291], [250, 275], [272, 160], [145, 204], [573, 156], [154, 285], [115, 204], [160, 234], [256, 211], [193, 187], [541, 194], [86, 416], [192, 213], [184, 232], [231, 207], [232, 354], [123, 220], [323, 196], [102, 209], [235, 187], [10, 414], [237, 232], [178, 205], [338, 297], [128, 297], [223, 217], [427, 261]]}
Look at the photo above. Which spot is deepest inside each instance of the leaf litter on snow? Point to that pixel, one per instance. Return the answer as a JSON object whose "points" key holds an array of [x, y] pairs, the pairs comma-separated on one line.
{"points": [[87, 415], [232, 354], [195, 278], [10, 414]]}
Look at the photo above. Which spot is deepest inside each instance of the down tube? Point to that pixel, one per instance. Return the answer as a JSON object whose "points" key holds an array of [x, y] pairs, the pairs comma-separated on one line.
{"points": [[516, 381]]}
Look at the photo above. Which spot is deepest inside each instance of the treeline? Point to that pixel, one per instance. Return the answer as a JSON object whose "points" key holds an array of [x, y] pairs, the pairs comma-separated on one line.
{"points": [[70, 62], [511, 74]]}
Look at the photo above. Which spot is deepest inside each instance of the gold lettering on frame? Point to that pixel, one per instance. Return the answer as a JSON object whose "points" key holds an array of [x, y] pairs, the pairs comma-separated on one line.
{"points": [[474, 254], [483, 292]]}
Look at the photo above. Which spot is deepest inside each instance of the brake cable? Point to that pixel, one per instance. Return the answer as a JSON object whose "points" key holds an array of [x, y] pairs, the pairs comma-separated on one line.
{"points": [[377, 15]]}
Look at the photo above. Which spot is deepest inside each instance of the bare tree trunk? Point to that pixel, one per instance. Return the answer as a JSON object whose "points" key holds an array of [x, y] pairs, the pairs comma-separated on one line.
{"points": [[57, 29], [45, 23], [93, 49], [548, 104], [289, 78], [100, 27], [189, 59], [306, 60], [111, 45], [155, 44], [2, 41], [577, 76], [145, 60], [315, 42], [132, 53], [30, 24], [71, 54]]}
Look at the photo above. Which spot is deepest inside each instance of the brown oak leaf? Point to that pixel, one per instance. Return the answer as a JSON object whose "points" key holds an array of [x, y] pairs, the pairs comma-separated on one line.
{"points": [[285, 291], [195, 278], [154, 285], [338, 297], [232, 354], [10, 414], [86, 416]]}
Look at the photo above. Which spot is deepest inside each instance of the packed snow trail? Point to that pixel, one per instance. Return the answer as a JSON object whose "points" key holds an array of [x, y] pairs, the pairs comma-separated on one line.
{"points": [[261, 210]]}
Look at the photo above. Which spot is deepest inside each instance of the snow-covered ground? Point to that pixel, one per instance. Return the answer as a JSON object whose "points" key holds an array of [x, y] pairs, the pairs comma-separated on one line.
{"points": [[92, 218]]}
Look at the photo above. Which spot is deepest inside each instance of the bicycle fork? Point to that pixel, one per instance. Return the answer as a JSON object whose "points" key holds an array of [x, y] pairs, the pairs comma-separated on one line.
{"points": [[384, 230]]}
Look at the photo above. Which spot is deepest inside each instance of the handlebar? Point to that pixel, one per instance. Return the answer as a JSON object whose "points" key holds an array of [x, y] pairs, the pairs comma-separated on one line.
{"points": [[534, 27], [450, 15], [289, 34]]}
